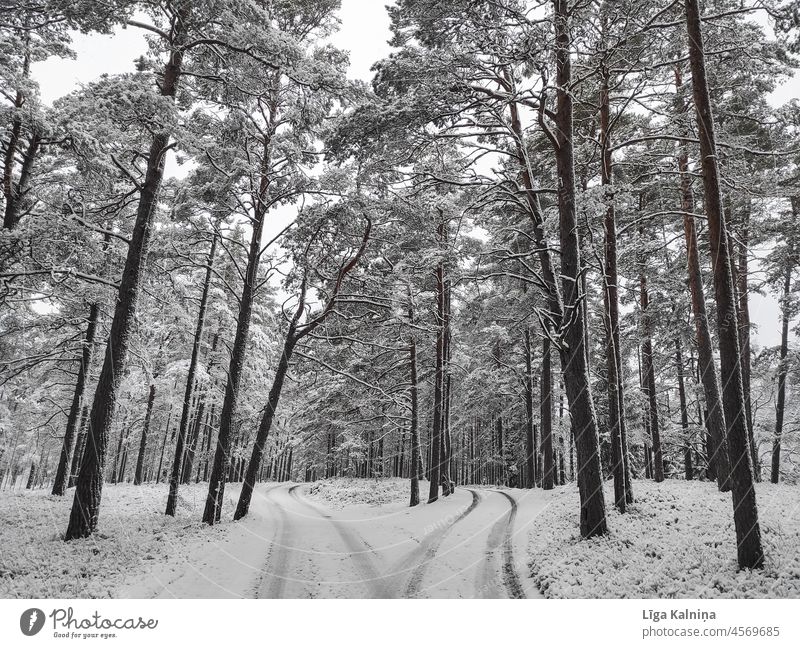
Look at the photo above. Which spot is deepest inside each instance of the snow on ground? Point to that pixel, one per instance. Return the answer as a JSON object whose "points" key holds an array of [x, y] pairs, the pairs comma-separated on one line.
{"points": [[677, 541], [133, 534], [340, 492], [350, 539], [359, 538]]}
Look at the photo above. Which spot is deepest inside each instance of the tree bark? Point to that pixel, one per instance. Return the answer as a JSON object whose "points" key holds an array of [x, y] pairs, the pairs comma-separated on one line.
{"points": [[687, 444], [13, 212], [177, 462], [139, 475], [743, 312], [89, 487], [216, 484], [438, 389], [650, 378], [715, 415], [616, 408], [80, 446], [530, 446], [786, 316], [745, 510], [565, 313], [11, 189], [572, 352], [446, 452], [546, 416], [64, 463], [414, 394], [294, 334], [254, 464]]}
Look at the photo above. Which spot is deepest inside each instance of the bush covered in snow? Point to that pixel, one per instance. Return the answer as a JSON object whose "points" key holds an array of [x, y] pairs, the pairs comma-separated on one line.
{"points": [[676, 541], [340, 492]]}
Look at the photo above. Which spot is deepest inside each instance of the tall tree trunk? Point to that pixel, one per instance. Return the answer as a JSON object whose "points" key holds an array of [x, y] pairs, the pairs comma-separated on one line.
{"points": [[565, 313], [216, 484], [650, 377], [294, 334], [616, 409], [715, 416], [745, 509], [687, 444], [64, 466], [89, 487], [743, 312], [572, 352], [177, 462], [414, 389], [530, 446], [139, 475], [786, 316], [546, 415], [500, 477], [446, 452], [438, 389]]}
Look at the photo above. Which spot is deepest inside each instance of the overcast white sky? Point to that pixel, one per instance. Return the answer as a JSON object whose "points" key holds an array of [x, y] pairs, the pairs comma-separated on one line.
{"points": [[364, 32]]}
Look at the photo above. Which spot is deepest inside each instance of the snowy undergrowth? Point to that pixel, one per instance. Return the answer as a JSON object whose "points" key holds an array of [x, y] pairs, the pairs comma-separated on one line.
{"points": [[340, 492], [676, 541], [132, 535]]}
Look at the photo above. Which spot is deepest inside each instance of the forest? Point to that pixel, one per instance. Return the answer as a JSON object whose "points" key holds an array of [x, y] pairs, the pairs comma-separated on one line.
{"points": [[552, 245]]}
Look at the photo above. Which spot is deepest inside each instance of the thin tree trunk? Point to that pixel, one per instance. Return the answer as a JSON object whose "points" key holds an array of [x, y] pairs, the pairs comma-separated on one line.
{"points": [[254, 464], [786, 316], [546, 415], [743, 301], [67, 449], [687, 445], [616, 409], [163, 446], [139, 475], [414, 389], [216, 484], [118, 454], [530, 446], [438, 389], [177, 462], [745, 509], [446, 452], [650, 378]]}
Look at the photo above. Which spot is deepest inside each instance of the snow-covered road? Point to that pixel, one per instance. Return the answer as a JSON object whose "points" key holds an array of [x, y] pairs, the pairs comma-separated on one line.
{"points": [[469, 545]]}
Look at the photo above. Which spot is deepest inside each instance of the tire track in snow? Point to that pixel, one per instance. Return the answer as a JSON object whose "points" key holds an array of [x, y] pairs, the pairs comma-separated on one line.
{"points": [[500, 538], [428, 548], [511, 578], [359, 550], [278, 557]]}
